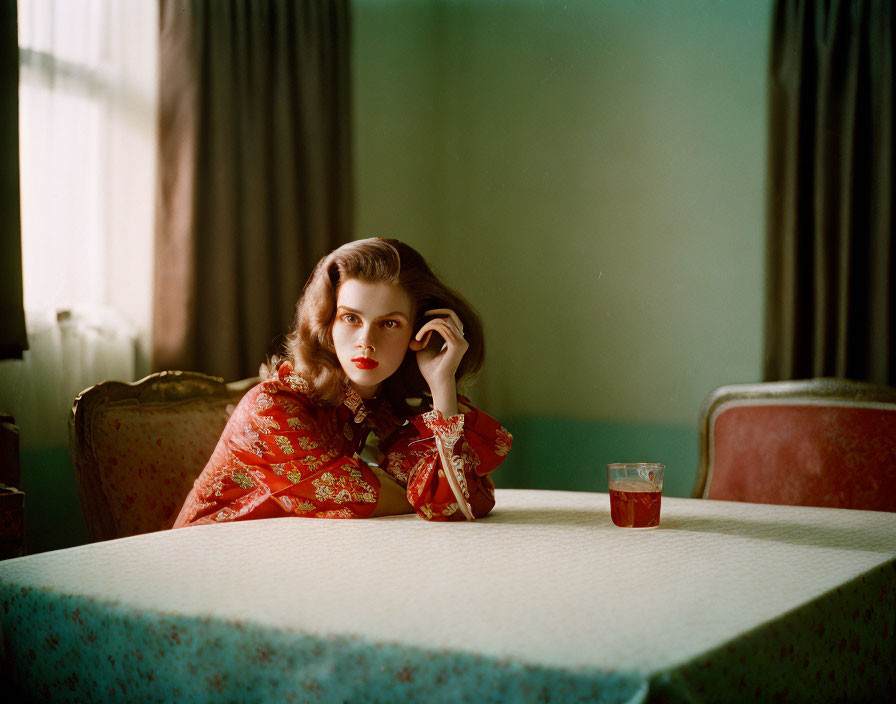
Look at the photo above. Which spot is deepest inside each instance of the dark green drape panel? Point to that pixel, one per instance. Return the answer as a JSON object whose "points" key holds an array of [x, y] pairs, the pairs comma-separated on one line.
{"points": [[255, 173], [831, 265], [12, 311]]}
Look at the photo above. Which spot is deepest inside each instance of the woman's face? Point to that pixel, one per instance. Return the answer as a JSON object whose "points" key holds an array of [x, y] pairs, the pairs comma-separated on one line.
{"points": [[371, 332]]}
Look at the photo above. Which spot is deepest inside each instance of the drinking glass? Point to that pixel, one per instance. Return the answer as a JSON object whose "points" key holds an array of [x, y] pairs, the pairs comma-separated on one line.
{"points": [[635, 492]]}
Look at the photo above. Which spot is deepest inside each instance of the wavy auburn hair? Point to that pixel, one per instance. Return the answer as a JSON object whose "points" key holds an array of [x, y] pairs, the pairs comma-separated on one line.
{"points": [[376, 260]]}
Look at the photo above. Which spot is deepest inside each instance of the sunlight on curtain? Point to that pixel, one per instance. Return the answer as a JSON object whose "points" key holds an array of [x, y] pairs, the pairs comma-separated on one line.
{"points": [[87, 143]]}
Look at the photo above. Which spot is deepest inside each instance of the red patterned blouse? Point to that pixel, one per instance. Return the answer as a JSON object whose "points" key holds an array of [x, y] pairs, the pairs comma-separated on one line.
{"points": [[283, 454]]}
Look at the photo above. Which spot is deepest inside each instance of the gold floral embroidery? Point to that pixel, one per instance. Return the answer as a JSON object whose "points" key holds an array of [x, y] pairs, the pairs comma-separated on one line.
{"points": [[211, 485], [353, 402], [313, 463], [425, 465], [263, 402], [297, 383], [285, 445], [355, 474], [287, 404], [267, 422], [426, 511], [294, 476], [250, 441], [296, 423], [449, 431], [225, 514], [503, 440], [459, 475], [199, 506], [278, 469], [394, 465], [338, 513], [323, 486], [446, 434], [470, 458], [242, 479], [347, 431], [307, 443], [338, 490], [449, 510], [304, 507]]}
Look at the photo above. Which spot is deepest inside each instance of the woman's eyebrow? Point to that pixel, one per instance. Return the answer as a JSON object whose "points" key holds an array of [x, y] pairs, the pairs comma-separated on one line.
{"points": [[393, 314]]}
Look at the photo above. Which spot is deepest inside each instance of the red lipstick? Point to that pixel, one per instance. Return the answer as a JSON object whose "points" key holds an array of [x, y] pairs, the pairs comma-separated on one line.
{"points": [[365, 363]]}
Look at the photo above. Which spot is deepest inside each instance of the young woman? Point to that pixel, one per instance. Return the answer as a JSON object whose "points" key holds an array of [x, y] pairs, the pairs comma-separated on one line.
{"points": [[371, 367]]}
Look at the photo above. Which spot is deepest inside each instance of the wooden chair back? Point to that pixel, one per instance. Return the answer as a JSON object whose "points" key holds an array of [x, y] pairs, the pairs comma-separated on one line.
{"points": [[137, 448]]}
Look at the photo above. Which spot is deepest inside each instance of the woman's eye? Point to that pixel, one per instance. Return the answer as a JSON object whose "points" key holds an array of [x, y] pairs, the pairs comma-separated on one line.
{"points": [[390, 324], [349, 318]]}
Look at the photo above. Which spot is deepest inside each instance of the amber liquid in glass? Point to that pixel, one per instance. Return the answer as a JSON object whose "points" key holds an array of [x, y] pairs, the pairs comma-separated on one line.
{"points": [[635, 509]]}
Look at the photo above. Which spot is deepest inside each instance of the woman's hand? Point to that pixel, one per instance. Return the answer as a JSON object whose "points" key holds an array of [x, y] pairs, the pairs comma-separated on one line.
{"points": [[438, 366]]}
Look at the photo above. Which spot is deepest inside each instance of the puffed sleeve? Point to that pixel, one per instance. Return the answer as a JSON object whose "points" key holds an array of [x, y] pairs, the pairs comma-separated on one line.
{"points": [[446, 463], [281, 454]]}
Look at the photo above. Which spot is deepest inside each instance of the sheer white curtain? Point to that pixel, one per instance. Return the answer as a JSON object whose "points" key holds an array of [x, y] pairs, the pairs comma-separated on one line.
{"points": [[87, 142]]}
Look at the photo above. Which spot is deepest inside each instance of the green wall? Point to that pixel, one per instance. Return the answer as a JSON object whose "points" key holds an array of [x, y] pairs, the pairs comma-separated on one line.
{"points": [[53, 516], [590, 174], [572, 454]]}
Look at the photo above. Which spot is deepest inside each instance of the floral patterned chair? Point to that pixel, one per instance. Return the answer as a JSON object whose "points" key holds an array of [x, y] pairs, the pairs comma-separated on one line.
{"points": [[818, 442], [137, 448]]}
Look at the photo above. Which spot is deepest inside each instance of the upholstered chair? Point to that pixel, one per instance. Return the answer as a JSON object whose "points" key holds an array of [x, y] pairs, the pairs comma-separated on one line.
{"points": [[819, 442], [137, 448]]}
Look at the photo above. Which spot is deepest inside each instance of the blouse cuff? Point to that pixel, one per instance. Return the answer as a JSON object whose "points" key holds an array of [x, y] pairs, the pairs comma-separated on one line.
{"points": [[448, 430], [446, 433]]}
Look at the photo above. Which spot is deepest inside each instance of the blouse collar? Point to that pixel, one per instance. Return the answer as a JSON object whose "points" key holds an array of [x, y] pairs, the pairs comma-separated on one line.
{"points": [[353, 401]]}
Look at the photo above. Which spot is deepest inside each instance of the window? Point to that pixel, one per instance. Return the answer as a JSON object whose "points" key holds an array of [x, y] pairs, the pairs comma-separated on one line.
{"points": [[87, 136]]}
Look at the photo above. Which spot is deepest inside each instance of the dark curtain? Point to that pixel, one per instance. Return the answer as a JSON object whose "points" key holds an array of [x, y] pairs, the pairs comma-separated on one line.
{"points": [[831, 265], [255, 173], [12, 312]]}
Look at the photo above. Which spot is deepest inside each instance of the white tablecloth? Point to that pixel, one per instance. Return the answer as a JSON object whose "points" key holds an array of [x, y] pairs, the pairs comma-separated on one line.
{"points": [[543, 596]]}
